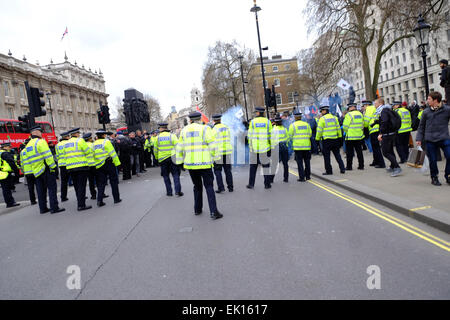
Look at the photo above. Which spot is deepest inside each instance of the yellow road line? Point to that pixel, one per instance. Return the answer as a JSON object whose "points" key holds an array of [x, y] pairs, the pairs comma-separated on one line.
{"points": [[395, 221], [421, 208]]}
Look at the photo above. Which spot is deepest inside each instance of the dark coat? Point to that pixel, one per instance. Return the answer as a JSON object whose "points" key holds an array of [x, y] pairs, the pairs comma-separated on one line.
{"points": [[433, 126]]}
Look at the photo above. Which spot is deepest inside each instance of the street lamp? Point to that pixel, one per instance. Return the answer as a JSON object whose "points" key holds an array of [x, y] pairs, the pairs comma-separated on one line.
{"points": [[243, 86], [296, 95], [48, 94], [255, 9], [422, 35]]}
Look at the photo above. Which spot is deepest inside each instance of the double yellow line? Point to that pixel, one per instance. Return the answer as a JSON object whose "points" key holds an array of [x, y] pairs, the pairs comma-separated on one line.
{"points": [[383, 215]]}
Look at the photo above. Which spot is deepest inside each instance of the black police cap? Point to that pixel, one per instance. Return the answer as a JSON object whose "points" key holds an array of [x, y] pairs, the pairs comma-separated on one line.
{"points": [[87, 135], [217, 116], [73, 131], [36, 127], [195, 115], [163, 124], [260, 109]]}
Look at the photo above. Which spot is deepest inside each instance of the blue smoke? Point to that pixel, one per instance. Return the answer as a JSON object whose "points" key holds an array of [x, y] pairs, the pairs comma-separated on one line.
{"points": [[234, 121]]}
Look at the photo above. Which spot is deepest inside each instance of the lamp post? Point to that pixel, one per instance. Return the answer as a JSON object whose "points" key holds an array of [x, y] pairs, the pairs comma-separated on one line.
{"points": [[296, 95], [255, 9], [48, 94], [243, 87], [422, 35]]}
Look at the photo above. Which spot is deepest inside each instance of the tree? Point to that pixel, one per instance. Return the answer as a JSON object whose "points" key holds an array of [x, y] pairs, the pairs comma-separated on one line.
{"points": [[154, 110], [222, 81], [120, 119], [367, 29]]}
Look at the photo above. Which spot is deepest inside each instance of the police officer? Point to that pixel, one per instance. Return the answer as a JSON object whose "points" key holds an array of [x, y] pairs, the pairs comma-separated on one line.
{"points": [[106, 161], [91, 173], [370, 116], [7, 166], [223, 151], [353, 126], [152, 147], [194, 150], [43, 165], [300, 133], [28, 172], [77, 154], [164, 149], [279, 141], [60, 156], [402, 138], [329, 130], [259, 136]]}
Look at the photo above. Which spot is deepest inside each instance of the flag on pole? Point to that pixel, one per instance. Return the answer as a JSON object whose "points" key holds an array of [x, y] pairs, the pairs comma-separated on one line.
{"points": [[338, 111], [343, 84], [204, 118], [239, 114], [65, 32]]}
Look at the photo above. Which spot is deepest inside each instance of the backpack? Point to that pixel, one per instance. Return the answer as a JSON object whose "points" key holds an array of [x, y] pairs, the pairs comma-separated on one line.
{"points": [[395, 121]]}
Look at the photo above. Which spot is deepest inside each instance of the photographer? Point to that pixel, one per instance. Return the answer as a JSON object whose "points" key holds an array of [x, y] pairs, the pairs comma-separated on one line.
{"points": [[445, 77]]}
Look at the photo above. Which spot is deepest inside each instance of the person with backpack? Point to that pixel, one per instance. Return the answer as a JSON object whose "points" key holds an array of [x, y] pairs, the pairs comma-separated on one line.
{"points": [[390, 122], [445, 77]]}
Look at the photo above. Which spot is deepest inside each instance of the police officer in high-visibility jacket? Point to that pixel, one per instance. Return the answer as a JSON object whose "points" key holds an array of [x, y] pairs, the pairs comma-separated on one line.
{"points": [[152, 147], [195, 149], [353, 127], [330, 132], [223, 153], [165, 151], [402, 139], [60, 156], [7, 167], [92, 172], [106, 161], [259, 139], [279, 140], [39, 156], [300, 133], [28, 172], [77, 153], [370, 116]]}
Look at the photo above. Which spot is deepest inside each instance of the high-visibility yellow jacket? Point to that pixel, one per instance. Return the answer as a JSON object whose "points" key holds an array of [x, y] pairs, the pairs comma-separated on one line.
{"points": [[259, 135], [419, 116], [103, 150], [222, 141], [90, 156], [38, 155], [147, 145], [370, 116], [300, 133], [165, 146], [76, 153], [24, 165], [195, 147], [406, 120], [328, 128], [152, 141], [354, 125], [60, 155], [279, 134], [5, 168]]}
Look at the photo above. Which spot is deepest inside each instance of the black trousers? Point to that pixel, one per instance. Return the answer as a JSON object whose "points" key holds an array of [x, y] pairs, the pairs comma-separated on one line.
{"points": [[402, 145], [387, 146], [79, 183], [91, 179], [141, 160], [378, 159], [64, 182], [303, 156], [332, 146], [126, 165], [47, 181], [199, 178], [108, 170], [31, 184], [283, 155], [352, 146], [7, 190], [155, 162], [262, 159], [148, 158], [167, 168], [224, 164]]}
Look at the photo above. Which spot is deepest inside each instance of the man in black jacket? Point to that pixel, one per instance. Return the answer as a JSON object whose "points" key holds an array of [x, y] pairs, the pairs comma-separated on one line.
{"points": [[445, 78], [136, 147], [433, 131], [387, 135], [7, 164], [124, 145]]}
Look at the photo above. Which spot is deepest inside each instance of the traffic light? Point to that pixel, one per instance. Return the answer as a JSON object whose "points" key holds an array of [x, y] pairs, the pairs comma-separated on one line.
{"points": [[25, 122], [268, 96], [273, 98], [35, 101], [103, 115]]}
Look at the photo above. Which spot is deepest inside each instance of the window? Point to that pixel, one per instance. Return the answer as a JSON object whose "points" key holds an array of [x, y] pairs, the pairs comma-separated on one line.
{"points": [[403, 43], [405, 70], [415, 96], [429, 61], [397, 59], [393, 75], [2, 127], [287, 67], [6, 88], [290, 97], [381, 92], [407, 85], [289, 81], [279, 100], [22, 92], [399, 72], [420, 65], [381, 78], [413, 67], [431, 79], [411, 53], [400, 87], [9, 127], [275, 69], [276, 82], [385, 64], [448, 35], [404, 57], [414, 83], [387, 76]]}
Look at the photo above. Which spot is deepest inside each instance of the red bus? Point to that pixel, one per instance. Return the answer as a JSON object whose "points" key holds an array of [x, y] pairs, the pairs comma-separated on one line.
{"points": [[11, 131]]}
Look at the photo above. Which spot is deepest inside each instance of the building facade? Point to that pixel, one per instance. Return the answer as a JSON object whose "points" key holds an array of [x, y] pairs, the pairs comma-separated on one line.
{"points": [[282, 73], [75, 93]]}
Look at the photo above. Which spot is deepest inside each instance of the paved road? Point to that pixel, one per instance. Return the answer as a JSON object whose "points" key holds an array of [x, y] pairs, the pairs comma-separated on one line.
{"points": [[296, 241]]}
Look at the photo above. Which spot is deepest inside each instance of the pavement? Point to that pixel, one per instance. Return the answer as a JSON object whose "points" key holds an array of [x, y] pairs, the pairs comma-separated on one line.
{"points": [[411, 193], [296, 241]]}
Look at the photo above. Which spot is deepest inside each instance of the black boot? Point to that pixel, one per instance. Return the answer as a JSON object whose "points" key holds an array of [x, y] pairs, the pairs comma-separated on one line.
{"points": [[435, 181]]}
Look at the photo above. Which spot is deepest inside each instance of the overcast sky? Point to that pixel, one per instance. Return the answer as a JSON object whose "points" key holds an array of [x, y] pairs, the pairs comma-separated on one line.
{"points": [[157, 47]]}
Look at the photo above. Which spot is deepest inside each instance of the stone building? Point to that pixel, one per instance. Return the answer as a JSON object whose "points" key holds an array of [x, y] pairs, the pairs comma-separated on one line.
{"points": [[75, 92]]}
